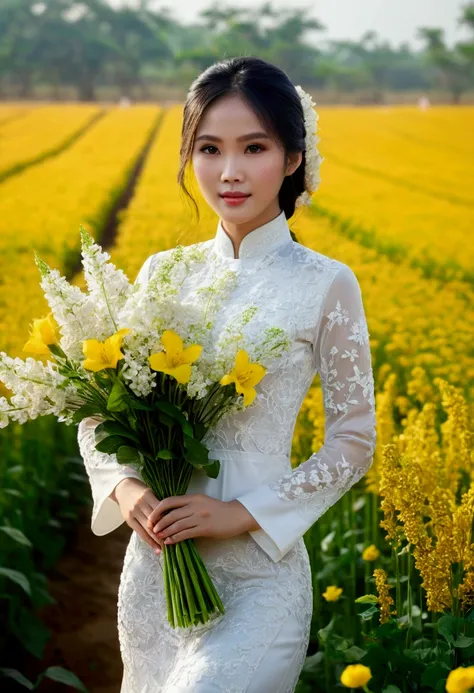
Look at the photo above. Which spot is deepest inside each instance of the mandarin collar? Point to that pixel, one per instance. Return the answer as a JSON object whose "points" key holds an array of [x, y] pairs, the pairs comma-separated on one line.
{"points": [[256, 243]]}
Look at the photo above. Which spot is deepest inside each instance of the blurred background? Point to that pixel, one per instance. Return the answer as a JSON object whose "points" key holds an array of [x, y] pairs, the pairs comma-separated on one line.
{"points": [[91, 97], [373, 51]]}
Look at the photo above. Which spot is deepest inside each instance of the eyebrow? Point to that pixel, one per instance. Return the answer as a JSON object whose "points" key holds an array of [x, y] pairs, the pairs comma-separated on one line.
{"points": [[242, 138]]}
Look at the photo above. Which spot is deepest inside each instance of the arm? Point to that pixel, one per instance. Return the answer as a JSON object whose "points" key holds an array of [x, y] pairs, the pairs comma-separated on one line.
{"points": [[287, 507], [103, 469]]}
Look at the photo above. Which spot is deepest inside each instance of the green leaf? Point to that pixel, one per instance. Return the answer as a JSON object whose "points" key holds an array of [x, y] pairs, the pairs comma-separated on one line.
{"points": [[196, 452], [118, 398], [463, 641], [84, 411], [111, 444], [19, 578], [367, 599], [391, 689], [175, 413], [368, 613], [16, 534], [65, 676], [137, 404], [213, 469], [354, 653], [433, 673], [115, 427], [199, 430], [17, 676], [447, 625], [165, 454], [128, 455], [165, 419], [313, 663]]}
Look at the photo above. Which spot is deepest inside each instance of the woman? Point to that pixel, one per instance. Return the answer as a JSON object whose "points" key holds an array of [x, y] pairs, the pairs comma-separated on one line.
{"points": [[244, 133]]}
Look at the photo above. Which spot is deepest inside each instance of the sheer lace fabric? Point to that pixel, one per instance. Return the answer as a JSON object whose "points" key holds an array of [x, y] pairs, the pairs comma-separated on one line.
{"points": [[264, 576]]}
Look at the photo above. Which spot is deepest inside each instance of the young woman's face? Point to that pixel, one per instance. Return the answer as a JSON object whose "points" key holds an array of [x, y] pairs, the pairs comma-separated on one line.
{"points": [[233, 152]]}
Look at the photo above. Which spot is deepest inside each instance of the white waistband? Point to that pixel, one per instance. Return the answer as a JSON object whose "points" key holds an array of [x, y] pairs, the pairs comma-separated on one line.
{"points": [[259, 457]]}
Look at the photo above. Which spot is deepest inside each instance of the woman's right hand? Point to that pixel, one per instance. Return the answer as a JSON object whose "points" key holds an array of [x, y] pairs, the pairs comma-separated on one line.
{"points": [[136, 501]]}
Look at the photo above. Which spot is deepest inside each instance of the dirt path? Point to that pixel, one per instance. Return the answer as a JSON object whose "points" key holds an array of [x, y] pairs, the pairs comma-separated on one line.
{"points": [[84, 620]]}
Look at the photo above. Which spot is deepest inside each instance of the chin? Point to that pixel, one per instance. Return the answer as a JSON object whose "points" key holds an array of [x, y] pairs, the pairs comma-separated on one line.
{"points": [[242, 214]]}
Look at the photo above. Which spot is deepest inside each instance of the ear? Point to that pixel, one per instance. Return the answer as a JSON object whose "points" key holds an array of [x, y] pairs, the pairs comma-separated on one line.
{"points": [[293, 161]]}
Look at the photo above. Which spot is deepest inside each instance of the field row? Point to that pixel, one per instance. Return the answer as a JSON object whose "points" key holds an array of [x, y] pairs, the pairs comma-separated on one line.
{"points": [[41, 209], [401, 180]]}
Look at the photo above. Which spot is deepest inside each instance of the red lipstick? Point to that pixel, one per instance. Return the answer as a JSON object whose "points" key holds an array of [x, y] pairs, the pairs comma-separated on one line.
{"points": [[234, 198]]}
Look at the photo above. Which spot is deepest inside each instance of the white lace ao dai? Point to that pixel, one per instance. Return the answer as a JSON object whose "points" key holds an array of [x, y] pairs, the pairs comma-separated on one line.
{"points": [[263, 577]]}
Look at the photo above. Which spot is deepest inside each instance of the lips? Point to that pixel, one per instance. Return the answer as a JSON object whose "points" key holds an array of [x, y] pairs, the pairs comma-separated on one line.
{"points": [[235, 195]]}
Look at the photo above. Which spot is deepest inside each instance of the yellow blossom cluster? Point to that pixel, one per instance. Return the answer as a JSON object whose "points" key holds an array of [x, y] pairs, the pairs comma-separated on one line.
{"points": [[385, 601], [427, 498]]}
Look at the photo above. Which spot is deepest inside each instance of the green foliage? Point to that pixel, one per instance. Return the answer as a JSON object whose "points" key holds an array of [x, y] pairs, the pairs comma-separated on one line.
{"points": [[43, 487], [86, 44]]}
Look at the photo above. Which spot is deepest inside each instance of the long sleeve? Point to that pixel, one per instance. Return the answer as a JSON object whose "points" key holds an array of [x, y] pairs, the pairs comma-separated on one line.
{"points": [[288, 506], [103, 469]]}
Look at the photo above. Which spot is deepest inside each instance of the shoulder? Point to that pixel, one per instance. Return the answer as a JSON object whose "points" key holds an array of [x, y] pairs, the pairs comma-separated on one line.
{"points": [[332, 276], [317, 262]]}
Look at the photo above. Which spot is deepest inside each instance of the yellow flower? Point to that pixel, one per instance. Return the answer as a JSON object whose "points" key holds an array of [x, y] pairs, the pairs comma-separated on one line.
{"points": [[371, 553], [245, 375], [332, 593], [356, 675], [175, 360], [460, 680], [102, 355], [384, 598], [43, 332]]}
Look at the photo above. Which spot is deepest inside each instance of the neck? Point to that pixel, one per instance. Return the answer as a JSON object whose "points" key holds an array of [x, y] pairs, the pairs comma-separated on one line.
{"points": [[237, 232]]}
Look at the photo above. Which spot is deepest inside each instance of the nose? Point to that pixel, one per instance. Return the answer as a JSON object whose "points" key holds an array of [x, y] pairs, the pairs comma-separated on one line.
{"points": [[231, 170]]}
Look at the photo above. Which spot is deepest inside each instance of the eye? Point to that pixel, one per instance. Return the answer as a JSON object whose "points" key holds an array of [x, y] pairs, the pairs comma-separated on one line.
{"points": [[208, 146], [256, 145]]}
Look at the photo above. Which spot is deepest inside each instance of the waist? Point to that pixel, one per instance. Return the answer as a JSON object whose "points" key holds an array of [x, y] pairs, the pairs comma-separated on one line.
{"points": [[243, 455], [239, 472]]}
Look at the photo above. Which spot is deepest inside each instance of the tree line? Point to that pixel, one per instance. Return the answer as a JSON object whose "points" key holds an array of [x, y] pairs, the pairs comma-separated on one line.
{"points": [[89, 44]]}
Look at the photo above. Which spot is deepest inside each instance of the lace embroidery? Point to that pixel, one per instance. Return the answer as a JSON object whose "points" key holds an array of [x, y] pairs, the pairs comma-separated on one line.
{"points": [[156, 658], [344, 387]]}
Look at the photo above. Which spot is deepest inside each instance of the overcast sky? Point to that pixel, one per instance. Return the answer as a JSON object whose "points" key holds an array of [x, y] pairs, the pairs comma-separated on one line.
{"points": [[395, 20]]}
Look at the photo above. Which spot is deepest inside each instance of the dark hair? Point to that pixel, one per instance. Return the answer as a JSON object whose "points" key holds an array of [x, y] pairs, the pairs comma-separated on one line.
{"points": [[270, 93]]}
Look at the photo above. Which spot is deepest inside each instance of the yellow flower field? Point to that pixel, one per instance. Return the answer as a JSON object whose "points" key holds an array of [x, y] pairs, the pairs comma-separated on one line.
{"points": [[39, 131], [402, 179], [42, 209], [10, 111]]}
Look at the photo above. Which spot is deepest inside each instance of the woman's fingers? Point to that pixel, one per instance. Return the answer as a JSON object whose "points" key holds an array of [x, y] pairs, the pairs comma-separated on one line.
{"points": [[188, 533], [178, 526], [139, 524], [156, 514], [142, 532], [171, 518]]}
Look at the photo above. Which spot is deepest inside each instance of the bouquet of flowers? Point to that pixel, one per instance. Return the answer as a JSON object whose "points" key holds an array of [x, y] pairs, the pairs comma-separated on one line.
{"points": [[148, 366]]}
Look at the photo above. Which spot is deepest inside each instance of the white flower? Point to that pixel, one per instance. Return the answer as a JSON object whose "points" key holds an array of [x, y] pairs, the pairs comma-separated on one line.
{"points": [[313, 158]]}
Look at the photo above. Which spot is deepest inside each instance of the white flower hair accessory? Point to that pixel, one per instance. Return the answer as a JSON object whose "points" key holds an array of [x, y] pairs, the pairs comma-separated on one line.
{"points": [[313, 159]]}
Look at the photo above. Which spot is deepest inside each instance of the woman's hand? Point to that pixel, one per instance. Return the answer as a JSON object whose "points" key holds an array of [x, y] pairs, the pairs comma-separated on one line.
{"points": [[198, 515], [136, 501]]}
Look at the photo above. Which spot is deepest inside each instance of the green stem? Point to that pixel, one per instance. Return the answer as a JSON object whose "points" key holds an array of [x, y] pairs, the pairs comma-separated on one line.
{"points": [[398, 596], [409, 598]]}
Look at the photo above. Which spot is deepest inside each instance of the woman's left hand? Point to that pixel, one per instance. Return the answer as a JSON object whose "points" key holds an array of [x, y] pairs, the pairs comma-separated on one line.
{"points": [[198, 515]]}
